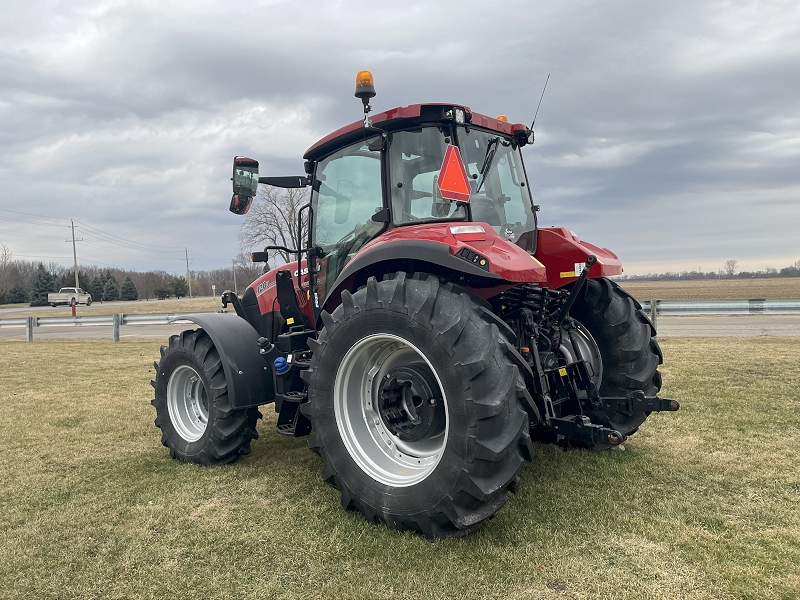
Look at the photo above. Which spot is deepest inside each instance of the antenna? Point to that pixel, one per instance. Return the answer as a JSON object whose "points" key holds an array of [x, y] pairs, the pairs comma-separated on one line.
{"points": [[540, 100]]}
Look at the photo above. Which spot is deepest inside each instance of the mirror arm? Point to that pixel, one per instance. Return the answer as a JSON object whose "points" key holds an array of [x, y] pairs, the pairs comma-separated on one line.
{"points": [[284, 248], [286, 182]]}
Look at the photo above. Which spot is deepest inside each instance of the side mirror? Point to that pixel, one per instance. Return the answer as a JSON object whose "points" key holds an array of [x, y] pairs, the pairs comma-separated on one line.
{"points": [[245, 184], [240, 204]]}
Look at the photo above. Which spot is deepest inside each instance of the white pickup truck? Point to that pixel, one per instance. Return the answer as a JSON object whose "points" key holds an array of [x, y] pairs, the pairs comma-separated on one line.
{"points": [[69, 295]]}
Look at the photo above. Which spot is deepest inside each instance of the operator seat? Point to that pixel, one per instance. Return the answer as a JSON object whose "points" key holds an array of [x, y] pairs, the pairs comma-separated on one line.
{"points": [[484, 209]]}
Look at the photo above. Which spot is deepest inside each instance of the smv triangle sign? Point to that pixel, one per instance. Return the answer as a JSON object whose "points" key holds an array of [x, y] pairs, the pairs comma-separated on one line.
{"points": [[453, 181]]}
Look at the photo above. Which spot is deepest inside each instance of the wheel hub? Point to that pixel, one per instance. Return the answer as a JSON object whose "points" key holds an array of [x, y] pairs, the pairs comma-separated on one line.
{"points": [[407, 404], [187, 403]]}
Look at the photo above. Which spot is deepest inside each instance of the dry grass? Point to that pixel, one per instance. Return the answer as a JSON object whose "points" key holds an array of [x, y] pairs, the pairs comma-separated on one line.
{"points": [[138, 307], [704, 503], [779, 287]]}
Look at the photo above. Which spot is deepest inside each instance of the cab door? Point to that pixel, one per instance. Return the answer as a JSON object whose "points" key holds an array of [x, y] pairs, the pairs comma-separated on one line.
{"points": [[347, 192]]}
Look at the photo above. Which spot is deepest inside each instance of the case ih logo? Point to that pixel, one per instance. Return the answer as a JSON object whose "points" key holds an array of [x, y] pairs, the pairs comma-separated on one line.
{"points": [[264, 286]]}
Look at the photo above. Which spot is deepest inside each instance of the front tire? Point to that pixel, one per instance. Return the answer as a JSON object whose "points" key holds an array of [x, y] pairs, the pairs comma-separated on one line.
{"points": [[196, 420], [628, 347], [415, 408]]}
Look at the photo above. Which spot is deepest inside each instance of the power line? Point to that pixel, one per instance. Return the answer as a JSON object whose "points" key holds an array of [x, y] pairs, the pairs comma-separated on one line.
{"points": [[97, 262], [28, 214], [118, 239], [13, 220]]}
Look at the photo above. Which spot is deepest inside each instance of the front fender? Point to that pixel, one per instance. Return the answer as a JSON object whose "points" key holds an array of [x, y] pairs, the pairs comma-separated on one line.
{"points": [[249, 377]]}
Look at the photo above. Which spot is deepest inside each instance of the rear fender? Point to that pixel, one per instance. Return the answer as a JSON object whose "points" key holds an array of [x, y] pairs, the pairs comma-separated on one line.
{"points": [[563, 253], [249, 377], [479, 260]]}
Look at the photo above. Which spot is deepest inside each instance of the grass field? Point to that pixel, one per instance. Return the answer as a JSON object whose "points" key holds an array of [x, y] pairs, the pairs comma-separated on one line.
{"points": [[704, 503], [779, 287]]}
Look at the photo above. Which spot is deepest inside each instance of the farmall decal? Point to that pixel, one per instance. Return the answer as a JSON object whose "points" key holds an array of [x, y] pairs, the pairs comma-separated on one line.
{"points": [[264, 286]]}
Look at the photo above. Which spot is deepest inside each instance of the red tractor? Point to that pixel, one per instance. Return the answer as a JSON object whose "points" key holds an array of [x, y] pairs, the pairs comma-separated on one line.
{"points": [[428, 333]]}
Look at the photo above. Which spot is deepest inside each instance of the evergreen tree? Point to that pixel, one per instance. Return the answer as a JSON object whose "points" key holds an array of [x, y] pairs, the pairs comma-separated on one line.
{"points": [[17, 295], [68, 280], [179, 287], [110, 290], [43, 284], [129, 290], [96, 289]]}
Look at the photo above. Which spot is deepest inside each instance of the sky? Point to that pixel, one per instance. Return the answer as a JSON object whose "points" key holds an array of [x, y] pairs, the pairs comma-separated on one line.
{"points": [[669, 132]]}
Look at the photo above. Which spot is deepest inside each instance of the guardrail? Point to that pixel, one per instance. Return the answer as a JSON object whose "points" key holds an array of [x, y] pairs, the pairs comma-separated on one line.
{"points": [[115, 321], [755, 306]]}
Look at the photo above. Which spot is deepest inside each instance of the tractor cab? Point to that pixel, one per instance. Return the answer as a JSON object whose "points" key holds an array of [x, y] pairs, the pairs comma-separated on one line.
{"points": [[416, 165]]}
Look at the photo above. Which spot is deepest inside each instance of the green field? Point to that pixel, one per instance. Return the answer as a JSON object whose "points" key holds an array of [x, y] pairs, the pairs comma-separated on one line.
{"points": [[704, 503]]}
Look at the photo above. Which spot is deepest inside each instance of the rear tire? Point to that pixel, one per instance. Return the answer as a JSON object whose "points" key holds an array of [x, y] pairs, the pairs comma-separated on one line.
{"points": [[88, 302], [196, 420], [628, 347], [447, 472]]}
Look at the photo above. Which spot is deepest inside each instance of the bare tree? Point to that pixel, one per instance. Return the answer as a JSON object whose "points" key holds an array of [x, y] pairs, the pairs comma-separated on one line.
{"points": [[730, 267], [272, 220], [246, 269], [796, 265], [5, 268]]}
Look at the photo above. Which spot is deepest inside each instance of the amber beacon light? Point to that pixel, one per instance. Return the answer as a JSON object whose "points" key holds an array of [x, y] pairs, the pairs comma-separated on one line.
{"points": [[365, 85]]}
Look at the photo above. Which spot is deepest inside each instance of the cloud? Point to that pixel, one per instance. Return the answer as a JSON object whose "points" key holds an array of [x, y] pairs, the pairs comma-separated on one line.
{"points": [[666, 129]]}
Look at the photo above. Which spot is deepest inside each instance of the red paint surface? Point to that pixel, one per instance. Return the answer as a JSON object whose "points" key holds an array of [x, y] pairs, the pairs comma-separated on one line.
{"points": [[559, 250], [506, 259], [268, 296], [412, 111]]}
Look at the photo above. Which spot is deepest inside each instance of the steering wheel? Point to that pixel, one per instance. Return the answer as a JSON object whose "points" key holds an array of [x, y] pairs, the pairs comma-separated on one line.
{"points": [[512, 231]]}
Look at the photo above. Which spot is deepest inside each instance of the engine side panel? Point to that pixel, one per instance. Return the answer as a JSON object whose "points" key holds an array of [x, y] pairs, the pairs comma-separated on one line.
{"points": [[264, 292]]}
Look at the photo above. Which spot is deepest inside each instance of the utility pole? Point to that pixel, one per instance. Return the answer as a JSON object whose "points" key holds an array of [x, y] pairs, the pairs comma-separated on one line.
{"points": [[74, 252], [235, 289], [188, 279]]}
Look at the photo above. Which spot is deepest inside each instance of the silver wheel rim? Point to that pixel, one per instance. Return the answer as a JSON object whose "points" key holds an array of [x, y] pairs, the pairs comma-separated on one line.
{"points": [[187, 403], [375, 448], [589, 351]]}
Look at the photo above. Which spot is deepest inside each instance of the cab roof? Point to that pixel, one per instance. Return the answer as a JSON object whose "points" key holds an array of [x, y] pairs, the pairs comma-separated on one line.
{"points": [[405, 117]]}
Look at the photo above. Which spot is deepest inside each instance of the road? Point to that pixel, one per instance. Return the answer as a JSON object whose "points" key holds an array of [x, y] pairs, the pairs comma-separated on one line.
{"points": [[695, 326]]}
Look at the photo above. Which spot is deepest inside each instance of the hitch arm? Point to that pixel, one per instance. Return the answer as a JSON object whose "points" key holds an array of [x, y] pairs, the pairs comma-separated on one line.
{"points": [[636, 402], [579, 428]]}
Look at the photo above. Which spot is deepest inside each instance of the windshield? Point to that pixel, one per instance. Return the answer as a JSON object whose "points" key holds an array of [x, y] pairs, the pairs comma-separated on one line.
{"points": [[500, 195]]}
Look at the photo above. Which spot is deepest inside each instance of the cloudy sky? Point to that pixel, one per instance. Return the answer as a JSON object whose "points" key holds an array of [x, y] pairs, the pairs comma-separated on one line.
{"points": [[669, 132]]}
